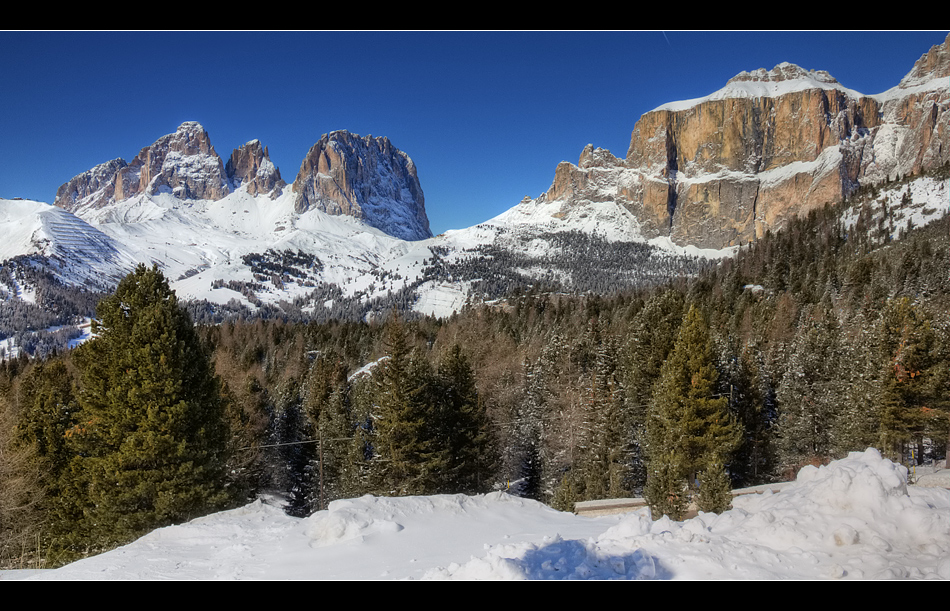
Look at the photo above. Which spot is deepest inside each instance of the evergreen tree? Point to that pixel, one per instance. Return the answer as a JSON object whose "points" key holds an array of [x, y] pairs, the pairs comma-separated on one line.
{"points": [[811, 390], [857, 419], [689, 427], [908, 393], [152, 432], [406, 462], [295, 454], [666, 489], [651, 339], [526, 449], [48, 413], [741, 379], [715, 489], [462, 428], [22, 495], [335, 437], [603, 454]]}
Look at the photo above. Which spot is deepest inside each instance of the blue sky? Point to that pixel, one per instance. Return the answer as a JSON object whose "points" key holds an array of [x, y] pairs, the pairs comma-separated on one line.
{"points": [[485, 116]]}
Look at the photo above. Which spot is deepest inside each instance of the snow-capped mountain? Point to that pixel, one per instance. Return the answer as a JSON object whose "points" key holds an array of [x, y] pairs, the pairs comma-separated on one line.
{"points": [[721, 170], [350, 235], [347, 237]]}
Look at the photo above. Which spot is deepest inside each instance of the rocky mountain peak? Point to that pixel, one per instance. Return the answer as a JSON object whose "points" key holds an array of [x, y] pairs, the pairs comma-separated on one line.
{"points": [[183, 163], [93, 187], [932, 65], [597, 157], [364, 177], [250, 165], [720, 170], [783, 72]]}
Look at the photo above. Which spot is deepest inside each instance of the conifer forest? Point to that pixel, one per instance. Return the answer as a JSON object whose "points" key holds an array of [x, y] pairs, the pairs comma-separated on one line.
{"points": [[811, 342]]}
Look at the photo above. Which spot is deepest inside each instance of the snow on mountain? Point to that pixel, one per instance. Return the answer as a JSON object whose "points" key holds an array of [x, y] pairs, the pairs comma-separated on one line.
{"points": [[351, 232], [858, 518], [915, 204], [78, 252], [783, 79]]}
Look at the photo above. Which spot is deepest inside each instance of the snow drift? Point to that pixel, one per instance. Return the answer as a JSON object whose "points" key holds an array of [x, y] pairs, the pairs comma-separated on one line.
{"points": [[856, 518]]}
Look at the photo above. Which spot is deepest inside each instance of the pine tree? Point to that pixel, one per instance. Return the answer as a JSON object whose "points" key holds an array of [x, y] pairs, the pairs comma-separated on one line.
{"points": [[856, 421], [602, 460], [907, 343], [652, 336], [48, 413], [811, 390], [526, 448], [406, 461], [689, 428], [152, 430], [666, 489], [22, 494], [462, 428], [334, 433], [741, 378], [715, 489]]}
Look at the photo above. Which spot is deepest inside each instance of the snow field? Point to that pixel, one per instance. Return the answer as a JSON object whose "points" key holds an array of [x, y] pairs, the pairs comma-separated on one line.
{"points": [[856, 518]]}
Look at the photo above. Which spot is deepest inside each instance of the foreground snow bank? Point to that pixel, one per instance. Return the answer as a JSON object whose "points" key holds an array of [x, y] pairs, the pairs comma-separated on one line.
{"points": [[855, 518]]}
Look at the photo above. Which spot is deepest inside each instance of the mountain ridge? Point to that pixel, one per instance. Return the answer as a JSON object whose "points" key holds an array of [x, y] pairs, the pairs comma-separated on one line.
{"points": [[720, 170], [349, 236]]}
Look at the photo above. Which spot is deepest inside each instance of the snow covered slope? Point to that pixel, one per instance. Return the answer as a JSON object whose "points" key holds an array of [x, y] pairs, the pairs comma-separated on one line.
{"points": [[78, 252], [253, 251], [857, 518]]}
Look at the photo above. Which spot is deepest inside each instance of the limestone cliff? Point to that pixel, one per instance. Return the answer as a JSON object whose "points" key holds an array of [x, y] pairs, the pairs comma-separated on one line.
{"points": [[366, 178], [92, 187], [183, 164], [250, 166], [721, 170]]}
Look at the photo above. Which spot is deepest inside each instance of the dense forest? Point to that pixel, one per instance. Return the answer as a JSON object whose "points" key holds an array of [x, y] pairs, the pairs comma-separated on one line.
{"points": [[820, 339]]}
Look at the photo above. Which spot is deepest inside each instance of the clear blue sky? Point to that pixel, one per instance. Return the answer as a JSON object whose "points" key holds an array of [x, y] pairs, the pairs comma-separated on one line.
{"points": [[486, 116]]}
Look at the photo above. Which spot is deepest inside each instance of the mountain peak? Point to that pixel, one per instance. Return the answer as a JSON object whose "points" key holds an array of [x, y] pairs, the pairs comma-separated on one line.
{"points": [[183, 163], [935, 64], [251, 165], [784, 71], [364, 177], [783, 79]]}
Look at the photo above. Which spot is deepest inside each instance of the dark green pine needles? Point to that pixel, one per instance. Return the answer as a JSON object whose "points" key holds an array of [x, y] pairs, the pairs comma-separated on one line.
{"points": [[152, 429]]}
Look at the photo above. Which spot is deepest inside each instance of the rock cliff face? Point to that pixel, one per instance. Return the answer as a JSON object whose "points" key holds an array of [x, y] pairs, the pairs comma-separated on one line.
{"points": [[364, 177], [721, 170], [94, 187], [251, 165], [184, 164]]}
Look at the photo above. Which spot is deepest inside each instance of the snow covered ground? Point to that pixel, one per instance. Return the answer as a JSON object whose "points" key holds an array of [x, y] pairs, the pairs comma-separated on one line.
{"points": [[856, 518]]}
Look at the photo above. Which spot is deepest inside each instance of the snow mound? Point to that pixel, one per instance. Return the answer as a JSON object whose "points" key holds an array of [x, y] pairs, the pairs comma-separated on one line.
{"points": [[856, 518], [349, 519]]}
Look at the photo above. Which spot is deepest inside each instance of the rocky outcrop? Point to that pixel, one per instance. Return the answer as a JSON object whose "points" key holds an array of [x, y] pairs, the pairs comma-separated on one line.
{"points": [[366, 178], [721, 170], [250, 166], [914, 134], [363, 177], [183, 164], [743, 160], [92, 186]]}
